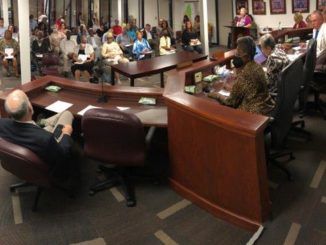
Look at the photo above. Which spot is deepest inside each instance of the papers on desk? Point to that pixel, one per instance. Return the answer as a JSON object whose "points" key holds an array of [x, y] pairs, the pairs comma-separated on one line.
{"points": [[82, 112], [153, 115], [9, 52], [224, 92], [122, 108], [58, 106], [293, 57]]}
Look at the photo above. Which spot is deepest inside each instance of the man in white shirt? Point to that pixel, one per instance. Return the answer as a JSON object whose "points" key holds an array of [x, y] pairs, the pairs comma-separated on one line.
{"points": [[319, 30], [67, 48]]}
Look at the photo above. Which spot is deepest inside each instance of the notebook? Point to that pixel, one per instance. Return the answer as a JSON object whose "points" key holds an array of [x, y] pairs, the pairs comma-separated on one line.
{"points": [[259, 58]]}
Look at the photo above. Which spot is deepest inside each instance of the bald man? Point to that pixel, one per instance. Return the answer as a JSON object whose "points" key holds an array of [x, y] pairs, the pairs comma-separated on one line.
{"points": [[52, 143]]}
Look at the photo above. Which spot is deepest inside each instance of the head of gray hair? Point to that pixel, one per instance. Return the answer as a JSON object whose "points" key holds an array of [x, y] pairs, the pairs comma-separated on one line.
{"points": [[16, 104], [317, 13], [247, 45], [267, 41]]}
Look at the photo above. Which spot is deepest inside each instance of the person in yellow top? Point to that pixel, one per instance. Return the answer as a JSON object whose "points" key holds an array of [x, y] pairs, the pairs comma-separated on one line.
{"points": [[112, 54], [165, 44], [9, 50]]}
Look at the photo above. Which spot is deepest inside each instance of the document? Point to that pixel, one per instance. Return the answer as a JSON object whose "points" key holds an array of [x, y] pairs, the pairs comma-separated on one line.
{"points": [[153, 116], [224, 92], [293, 57], [122, 108], [82, 112], [9, 52], [82, 57], [58, 106]]}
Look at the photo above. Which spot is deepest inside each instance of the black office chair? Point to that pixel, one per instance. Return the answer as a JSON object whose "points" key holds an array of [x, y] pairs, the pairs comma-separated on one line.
{"points": [[318, 83], [288, 88], [308, 72], [116, 139]]}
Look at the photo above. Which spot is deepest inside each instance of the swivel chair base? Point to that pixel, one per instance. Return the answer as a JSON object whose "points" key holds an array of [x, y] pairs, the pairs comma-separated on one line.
{"points": [[273, 158], [39, 190], [115, 177]]}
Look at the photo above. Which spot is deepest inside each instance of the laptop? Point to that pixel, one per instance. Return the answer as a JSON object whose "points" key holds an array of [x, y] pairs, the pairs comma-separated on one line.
{"points": [[259, 58]]}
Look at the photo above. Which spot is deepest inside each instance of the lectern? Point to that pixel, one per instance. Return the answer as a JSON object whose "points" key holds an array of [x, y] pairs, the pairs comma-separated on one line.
{"points": [[237, 31]]}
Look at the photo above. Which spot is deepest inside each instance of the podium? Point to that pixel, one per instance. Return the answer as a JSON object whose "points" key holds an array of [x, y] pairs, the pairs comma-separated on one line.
{"points": [[237, 31]]}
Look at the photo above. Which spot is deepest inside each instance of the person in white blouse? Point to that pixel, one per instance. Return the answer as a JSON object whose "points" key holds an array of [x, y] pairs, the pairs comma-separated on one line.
{"points": [[112, 54], [165, 44]]}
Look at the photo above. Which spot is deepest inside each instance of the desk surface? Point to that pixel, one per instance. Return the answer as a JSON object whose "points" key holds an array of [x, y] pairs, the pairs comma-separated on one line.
{"points": [[157, 64], [82, 94]]}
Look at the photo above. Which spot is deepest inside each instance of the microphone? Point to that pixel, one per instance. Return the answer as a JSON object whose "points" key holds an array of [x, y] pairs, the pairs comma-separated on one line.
{"points": [[103, 98]]}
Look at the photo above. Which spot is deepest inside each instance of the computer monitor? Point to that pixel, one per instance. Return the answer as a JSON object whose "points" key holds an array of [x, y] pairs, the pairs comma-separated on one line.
{"points": [[259, 58]]}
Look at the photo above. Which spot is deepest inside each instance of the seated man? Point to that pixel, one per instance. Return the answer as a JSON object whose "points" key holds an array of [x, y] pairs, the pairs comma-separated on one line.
{"points": [[112, 54], [67, 48], [83, 58], [9, 50], [95, 41], [149, 36], [125, 42], [53, 144]]}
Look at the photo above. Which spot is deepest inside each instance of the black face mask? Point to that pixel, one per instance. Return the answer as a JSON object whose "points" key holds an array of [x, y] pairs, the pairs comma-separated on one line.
{"points": [[237, 62]]}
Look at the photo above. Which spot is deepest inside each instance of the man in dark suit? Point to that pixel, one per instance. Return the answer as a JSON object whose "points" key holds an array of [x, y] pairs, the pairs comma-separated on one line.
{"points": [[53, 143]]}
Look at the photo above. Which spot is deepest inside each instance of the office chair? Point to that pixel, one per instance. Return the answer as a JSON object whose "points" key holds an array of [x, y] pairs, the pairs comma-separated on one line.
{"points": [[318, 84], [288, 88], [114, 138], [308, 72], [50, 64], [26, 165]]}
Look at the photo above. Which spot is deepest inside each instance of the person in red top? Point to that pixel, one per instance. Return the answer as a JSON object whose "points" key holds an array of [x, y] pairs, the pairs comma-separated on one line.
{"points": [[299, 22], [116, 29]]}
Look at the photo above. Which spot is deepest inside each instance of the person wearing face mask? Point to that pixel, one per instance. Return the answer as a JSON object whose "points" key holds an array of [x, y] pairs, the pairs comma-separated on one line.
{"points": [[276, 61], [249, 92]]}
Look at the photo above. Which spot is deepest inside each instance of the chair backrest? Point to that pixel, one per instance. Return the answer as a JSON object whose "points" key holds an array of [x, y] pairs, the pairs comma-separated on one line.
{"points": [[113, 137], [50, 59], [24, 163], [288, 88], [310, 62]]}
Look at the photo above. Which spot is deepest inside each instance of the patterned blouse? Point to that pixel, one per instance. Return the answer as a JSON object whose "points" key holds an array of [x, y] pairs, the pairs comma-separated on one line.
{"points": [[249, 92], [275, 64], [11, 44], [139, 47]]}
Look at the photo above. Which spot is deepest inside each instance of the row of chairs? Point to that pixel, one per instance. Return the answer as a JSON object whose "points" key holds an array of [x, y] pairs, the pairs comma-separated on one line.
{"points": [[294, 84]]}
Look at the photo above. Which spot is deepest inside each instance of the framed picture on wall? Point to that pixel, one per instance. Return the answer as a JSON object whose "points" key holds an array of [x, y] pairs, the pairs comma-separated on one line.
{"points": [[321, 4], [301, 6], [277, 6], [258, 7], [241, 4]]}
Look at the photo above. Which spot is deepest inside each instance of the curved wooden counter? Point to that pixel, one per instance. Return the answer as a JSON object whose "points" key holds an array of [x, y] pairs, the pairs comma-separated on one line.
{"points": [[217, 153]]}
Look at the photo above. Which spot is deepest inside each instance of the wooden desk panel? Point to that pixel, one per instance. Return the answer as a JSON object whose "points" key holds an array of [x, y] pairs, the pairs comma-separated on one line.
{"points": [[217, 154]]}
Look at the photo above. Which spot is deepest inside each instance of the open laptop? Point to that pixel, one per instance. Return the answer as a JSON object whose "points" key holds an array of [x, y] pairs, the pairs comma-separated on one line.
{"points": [[259, 58]]}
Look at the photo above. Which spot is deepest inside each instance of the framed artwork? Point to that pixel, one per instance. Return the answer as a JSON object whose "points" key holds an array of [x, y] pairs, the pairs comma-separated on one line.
{"points": [[258, 7], [301, 6], [240, 4], [277, 6], [321, 4]]}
